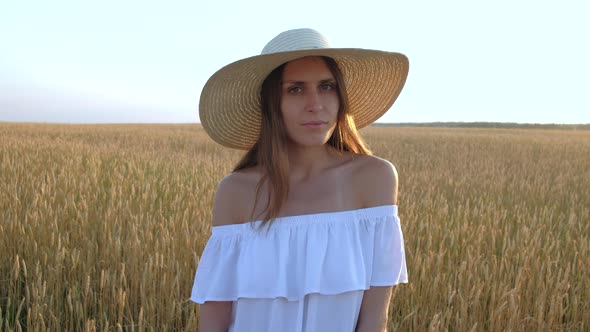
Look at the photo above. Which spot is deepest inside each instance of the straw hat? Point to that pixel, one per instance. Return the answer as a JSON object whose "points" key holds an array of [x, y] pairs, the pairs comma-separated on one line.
{"points": [[229, 107]]}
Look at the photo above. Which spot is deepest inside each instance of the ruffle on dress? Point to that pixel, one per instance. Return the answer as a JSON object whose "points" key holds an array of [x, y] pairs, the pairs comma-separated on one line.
{"points": [[326, 253]]}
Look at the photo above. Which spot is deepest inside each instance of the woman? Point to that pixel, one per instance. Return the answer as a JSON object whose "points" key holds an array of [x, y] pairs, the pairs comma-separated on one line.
{"points": [[333, 247]]}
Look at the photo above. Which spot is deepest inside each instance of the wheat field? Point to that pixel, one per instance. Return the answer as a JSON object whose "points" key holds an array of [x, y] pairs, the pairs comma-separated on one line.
{"points": [[101, 226]]}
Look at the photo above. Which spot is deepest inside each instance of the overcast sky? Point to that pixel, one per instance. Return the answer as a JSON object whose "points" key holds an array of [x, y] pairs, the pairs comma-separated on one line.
{"points": [[147, 61]]}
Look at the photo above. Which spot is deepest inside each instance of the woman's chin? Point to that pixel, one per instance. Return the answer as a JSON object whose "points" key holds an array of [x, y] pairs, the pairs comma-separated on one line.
{"points": [[310, 141]]}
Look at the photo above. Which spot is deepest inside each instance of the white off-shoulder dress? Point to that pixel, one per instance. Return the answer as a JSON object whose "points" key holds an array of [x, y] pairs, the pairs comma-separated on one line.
{"points": [[308, 273]]}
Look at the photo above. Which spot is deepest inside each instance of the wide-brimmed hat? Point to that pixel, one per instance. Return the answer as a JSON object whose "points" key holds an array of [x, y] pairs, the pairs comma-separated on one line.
{"points": [[229, 107]]}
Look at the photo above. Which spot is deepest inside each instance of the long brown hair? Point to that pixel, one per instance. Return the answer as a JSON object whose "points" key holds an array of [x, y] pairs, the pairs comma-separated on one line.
{"points": [[269, 152]]}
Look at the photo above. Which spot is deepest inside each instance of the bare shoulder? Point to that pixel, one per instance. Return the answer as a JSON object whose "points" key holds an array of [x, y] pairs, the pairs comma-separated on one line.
{"points": [[376, 181], [233, 196]]}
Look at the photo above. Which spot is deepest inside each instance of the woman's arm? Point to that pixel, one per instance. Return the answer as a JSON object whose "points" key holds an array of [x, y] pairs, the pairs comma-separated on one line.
{"points": [[215, 316], [380, 188], [374, 309]]}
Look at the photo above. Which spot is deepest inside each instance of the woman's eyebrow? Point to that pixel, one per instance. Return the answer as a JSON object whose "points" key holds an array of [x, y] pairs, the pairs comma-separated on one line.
{"points": [[293, 82], [327, 80]]}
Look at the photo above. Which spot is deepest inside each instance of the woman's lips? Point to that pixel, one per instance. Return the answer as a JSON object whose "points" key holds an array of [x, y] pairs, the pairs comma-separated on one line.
{"points": [[314, 124]]}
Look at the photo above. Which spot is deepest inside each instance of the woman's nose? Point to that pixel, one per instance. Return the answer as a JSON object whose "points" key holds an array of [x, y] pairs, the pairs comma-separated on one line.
{"points": [[313, 101]]}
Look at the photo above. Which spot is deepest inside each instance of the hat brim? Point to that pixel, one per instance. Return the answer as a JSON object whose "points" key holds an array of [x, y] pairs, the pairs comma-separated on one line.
{"points": [[229, 106]]}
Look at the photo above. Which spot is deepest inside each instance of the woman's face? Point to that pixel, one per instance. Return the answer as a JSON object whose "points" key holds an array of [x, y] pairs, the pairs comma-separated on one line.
{"points": [[309, 101]]}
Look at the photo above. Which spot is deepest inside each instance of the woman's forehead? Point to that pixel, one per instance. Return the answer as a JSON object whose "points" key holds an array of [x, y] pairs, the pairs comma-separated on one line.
{"points": [[307, 68]]}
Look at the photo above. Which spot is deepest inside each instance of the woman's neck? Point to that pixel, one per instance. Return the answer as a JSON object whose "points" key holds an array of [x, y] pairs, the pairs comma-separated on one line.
{"points": [[307, 162]]}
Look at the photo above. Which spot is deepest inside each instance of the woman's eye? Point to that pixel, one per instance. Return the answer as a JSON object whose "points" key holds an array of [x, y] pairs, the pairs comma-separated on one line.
{"points": [[327, 86], [295, 89]]}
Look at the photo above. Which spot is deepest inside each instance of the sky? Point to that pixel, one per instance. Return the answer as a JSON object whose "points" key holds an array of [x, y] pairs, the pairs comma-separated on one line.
{"points": [[147, 61]]}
